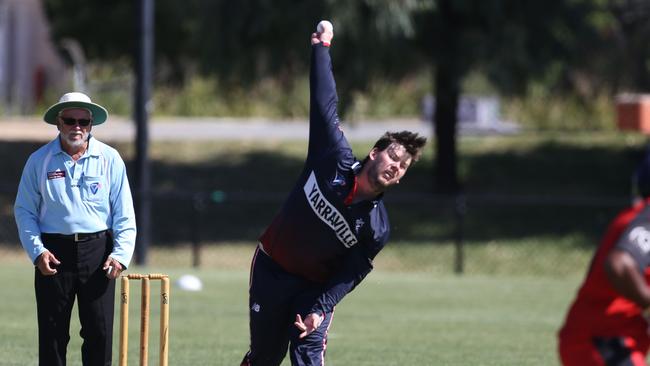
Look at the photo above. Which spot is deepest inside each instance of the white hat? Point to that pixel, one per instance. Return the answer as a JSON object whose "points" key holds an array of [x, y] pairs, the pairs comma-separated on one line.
{"points": [[76, 100]]}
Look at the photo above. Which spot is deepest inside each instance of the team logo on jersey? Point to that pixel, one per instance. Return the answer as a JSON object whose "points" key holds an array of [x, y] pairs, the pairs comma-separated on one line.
{"points": [[358, 224], [55, 174], [328, 213], [256, 307], [94, 187], [641, 237], [338, 180]]}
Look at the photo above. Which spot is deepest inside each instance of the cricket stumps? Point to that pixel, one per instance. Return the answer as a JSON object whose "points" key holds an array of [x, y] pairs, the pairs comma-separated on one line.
{"points": [[144, 317]]}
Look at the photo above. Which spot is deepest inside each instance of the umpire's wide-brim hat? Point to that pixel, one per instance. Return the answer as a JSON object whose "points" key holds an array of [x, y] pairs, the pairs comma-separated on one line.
{"points": [[76, 100]]}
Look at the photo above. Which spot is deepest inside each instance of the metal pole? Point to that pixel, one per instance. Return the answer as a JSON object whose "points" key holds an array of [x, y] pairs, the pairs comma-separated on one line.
{"points": [[460, 208], [142, 109], [198, 206]]}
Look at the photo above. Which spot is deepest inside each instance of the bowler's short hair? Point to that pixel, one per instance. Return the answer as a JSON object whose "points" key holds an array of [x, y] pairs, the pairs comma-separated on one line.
{"points": [[412, 142]]}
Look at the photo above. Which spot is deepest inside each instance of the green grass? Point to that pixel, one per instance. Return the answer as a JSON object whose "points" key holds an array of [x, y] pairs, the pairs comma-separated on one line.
{"points": [[541, 257], [392, 318]]}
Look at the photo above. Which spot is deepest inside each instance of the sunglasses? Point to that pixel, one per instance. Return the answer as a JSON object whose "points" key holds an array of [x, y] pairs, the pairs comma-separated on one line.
{"points": [[83, 122]]}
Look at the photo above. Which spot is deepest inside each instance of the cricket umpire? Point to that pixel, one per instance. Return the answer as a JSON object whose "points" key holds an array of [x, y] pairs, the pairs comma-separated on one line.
{"points": [[323, 241], [76, 222], [608, 322]]}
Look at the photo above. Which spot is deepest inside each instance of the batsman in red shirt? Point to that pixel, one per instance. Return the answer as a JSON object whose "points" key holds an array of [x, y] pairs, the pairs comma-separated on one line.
{"points": [[608, 322]]}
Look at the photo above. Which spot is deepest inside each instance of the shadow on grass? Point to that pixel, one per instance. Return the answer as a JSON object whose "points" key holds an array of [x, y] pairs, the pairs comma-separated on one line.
{"points": [[550, 190]]}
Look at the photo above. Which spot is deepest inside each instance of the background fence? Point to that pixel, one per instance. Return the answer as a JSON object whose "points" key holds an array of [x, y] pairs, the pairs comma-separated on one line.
{"points": [[464, 233]]}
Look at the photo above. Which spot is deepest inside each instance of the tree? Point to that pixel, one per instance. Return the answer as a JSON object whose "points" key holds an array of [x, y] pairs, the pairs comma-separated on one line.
{"points": [[578, 46], [513, 42], [632, 33]]}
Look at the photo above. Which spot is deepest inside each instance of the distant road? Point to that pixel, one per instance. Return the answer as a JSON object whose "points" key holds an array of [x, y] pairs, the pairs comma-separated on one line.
{"points": [[183, 128]]}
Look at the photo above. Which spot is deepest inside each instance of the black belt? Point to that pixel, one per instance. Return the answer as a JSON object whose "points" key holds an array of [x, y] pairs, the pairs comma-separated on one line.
{"points": [[75, 237]]}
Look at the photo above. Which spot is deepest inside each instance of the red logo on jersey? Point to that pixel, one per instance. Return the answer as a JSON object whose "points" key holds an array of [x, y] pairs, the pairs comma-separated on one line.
{"points": [[56, 174]]}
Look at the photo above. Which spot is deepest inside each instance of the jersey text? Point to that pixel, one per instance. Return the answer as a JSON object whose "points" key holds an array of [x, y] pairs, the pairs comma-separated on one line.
{"points": [[328, 213]]}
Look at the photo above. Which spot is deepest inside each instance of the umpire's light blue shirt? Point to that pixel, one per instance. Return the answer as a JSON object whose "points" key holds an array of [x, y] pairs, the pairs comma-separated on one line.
{"points": [[58, 195]]}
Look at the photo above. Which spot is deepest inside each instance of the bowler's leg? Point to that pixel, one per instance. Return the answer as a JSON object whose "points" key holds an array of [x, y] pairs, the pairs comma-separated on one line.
{"points": [[310, 351], [268, 304]]}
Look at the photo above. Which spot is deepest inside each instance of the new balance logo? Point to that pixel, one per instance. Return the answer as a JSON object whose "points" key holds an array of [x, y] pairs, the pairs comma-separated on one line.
{"points": [[358, 224], [338, 180]]}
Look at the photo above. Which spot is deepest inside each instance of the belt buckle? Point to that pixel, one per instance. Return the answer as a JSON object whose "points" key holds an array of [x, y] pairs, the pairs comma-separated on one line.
{"points": [[76, 237]]}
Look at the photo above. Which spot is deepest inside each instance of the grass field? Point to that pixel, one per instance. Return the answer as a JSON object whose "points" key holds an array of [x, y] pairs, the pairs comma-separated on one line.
{"points": [[396, 317]]}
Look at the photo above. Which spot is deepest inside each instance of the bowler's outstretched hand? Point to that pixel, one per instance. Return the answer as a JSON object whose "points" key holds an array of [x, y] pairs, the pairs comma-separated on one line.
{"points": [[324, 33], [311, 323]]}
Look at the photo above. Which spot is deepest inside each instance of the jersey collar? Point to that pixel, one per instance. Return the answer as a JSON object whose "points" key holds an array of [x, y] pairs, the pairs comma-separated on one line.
{"points": [[92, 150], [353, 192], [93, 146]]}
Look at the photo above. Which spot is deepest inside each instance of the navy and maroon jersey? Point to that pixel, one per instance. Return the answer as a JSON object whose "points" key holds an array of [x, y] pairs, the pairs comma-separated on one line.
{"points": [[599, 310], [319, 234]]}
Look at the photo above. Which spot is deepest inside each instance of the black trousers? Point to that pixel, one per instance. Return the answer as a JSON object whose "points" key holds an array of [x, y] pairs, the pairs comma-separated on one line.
{"points": [[79, 276], [275, 297]]}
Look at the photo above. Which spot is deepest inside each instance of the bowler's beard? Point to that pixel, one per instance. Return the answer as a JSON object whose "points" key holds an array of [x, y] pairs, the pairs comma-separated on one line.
{"points": [[373, 178], [76, 143]]}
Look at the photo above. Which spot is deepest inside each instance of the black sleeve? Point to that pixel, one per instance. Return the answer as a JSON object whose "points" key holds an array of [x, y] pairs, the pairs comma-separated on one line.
{"points": [[357, 265], [324, 131]]}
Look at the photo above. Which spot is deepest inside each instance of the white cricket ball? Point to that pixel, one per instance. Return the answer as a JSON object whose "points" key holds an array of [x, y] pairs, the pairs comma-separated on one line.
{"points": [[324, 26], [189, 282]]}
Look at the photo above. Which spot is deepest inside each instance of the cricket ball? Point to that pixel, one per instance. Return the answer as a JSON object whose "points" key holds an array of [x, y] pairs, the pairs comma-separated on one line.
{"points": [[324, 26]]}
